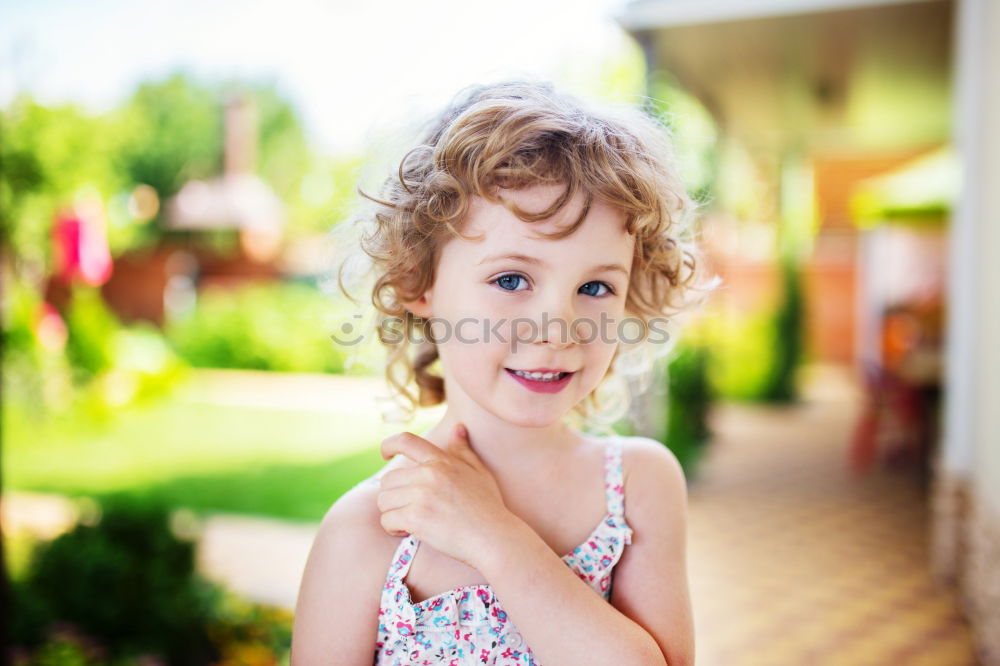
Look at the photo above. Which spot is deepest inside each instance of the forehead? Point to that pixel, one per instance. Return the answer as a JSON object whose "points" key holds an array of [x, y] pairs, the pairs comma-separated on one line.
{"points": [[602, 232]]}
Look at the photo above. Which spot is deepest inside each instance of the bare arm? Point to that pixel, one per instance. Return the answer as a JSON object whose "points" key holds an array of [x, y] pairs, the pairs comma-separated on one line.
{"points": [[649, 619], [336, 615]]}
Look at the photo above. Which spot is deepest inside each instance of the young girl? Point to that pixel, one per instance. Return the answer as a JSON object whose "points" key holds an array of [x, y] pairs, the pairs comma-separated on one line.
{"points": [[518, 248]]}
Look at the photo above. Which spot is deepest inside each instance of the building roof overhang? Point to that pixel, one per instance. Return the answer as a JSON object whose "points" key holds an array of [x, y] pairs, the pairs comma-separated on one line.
{"points": [[641, 15]]}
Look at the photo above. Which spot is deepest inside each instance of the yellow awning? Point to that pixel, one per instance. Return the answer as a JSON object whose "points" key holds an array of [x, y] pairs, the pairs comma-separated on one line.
{"points": [[920, 193]]}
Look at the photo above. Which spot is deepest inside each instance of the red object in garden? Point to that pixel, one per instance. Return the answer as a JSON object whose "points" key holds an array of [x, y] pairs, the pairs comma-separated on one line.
{"points": [[893, 405], [81, 248]]}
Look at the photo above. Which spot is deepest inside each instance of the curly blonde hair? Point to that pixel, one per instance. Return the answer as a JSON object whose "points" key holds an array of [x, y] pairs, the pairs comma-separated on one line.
{"points": [[511, 135]]}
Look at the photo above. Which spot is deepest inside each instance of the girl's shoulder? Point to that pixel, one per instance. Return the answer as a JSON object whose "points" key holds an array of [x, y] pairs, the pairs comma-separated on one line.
{"points": [[355, 515], [633, 443], [361, 501], [346, 568], [628, 443], [651, 469], [637, 451]]}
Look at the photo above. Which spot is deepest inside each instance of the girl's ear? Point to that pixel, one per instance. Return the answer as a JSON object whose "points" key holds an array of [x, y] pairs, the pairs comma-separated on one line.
{"points": [[420, 307]]}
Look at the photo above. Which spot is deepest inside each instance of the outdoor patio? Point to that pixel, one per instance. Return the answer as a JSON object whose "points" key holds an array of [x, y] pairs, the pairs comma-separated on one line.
{"points": [[792, 560]]}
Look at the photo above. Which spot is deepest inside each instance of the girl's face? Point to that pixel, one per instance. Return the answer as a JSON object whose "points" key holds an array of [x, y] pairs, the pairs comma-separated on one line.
{"points": [[517, 301]]}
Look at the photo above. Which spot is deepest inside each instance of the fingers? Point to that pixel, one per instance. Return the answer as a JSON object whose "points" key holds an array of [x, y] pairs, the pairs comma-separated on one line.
{"points": [[392, 502], [412, 446], [402, 476], [391, 522], [459, 440], [461, 446], [398, 509], [394, 498]]}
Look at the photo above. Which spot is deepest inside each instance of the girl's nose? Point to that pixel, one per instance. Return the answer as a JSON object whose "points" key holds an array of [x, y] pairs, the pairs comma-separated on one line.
{"points": [[554, 325], [556, 332]]}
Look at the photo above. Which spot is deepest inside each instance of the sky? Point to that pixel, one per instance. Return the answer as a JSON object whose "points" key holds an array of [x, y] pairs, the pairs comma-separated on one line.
{"points": [[351, 68]]}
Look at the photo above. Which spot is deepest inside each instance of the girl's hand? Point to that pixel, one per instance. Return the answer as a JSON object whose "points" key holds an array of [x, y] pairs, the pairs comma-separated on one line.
{"points": [[449, 499]]}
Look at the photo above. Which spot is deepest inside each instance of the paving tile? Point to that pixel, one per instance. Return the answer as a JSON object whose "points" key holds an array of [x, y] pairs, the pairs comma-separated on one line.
{"points": [[794, 560]]}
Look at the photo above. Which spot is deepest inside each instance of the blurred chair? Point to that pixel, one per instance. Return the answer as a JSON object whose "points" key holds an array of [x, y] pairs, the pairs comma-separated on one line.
{"points": [[895, 411]]}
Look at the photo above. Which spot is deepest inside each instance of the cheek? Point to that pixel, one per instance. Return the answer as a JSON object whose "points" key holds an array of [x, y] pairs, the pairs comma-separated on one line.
{"points": [[599, 338], [600, 354], [596, 329], [469, 349], [598, 364], [470, 309]]}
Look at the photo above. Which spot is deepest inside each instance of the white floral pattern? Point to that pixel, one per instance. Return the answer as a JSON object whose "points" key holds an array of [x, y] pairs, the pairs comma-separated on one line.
{"points": [[467, 625]]}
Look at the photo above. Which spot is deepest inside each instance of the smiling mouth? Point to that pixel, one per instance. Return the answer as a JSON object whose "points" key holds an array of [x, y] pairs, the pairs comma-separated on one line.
{"points": [[539, 376]]}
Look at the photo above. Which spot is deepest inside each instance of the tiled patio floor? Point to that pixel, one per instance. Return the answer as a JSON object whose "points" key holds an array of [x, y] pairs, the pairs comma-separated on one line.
{"points": [[793, 560]]}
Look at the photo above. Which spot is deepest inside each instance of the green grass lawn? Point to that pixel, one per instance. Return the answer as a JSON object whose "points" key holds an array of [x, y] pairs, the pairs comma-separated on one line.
{"points": [[206, 457], [197, 450]]}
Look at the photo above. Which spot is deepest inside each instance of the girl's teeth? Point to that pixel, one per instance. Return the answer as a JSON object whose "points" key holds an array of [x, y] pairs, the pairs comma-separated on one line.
{"points": [[541, 376]]}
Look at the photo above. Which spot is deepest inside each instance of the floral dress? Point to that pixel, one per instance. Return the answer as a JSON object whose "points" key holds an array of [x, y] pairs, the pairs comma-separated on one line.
{"points": [[468, 625]]}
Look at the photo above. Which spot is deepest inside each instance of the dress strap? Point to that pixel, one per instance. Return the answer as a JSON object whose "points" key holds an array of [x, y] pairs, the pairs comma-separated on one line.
{"points": [[403, 556], [613, 489], [394, 611]]}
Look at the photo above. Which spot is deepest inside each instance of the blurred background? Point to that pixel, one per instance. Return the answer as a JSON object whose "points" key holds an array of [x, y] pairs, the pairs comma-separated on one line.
{"points": [[176, 418]]}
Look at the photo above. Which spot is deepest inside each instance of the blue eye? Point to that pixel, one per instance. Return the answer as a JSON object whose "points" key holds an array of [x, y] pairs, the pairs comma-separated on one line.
{"points": [[509, 280], [601, 284]]}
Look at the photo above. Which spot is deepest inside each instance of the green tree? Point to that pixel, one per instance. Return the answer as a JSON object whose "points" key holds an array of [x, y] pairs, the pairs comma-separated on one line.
{"points": [[48, 154], [171, 133]]}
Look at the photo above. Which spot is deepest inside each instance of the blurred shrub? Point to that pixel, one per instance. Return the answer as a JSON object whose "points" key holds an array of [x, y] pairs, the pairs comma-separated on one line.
{"points": [[689, 398], [788, 326], [742, 348], [66, 646], [20, 309], [126, 582], [755, 357], [23, 356], [143, 368], [91, 326], [263, 326], [124, 592], [250, 634], [102, 366]]}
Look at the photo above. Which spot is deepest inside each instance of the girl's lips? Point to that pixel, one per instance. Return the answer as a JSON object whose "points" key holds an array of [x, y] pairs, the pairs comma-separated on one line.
{"points": [[542, 387]]}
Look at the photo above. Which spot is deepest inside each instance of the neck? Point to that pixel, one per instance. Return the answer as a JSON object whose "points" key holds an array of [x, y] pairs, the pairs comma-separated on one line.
{"points": [[505, 448]]}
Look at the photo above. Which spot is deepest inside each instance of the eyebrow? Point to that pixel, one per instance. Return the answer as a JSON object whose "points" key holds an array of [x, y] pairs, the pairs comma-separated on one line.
{"points": [[538, 262]]}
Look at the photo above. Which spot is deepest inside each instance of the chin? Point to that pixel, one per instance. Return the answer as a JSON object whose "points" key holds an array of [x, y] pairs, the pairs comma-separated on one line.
{"points": [[542, 420]]}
